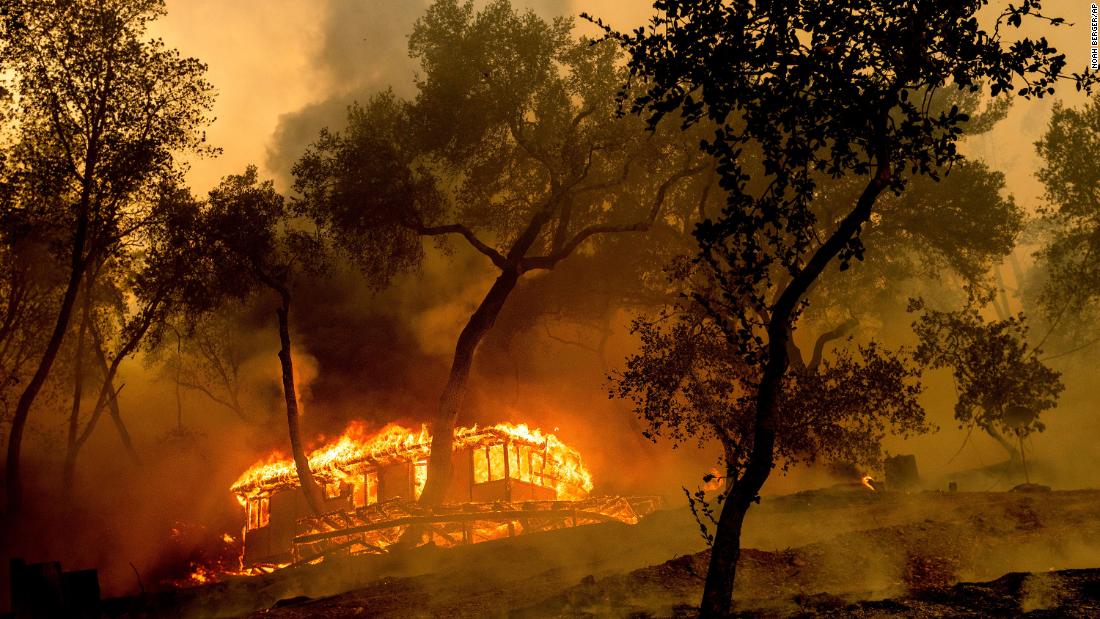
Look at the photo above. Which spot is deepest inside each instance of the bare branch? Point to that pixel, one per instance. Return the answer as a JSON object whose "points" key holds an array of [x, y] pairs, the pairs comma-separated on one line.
{"points": [[478, 244], [214, 398], [825, 338], [549, 261]]}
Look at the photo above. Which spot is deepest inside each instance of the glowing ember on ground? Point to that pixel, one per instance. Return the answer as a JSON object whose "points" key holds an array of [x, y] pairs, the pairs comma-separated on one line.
{"points": [[202, 575]]}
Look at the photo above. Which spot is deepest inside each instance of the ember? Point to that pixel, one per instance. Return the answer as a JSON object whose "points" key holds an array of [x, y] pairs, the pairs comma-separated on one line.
{"points": [[868, 483]]}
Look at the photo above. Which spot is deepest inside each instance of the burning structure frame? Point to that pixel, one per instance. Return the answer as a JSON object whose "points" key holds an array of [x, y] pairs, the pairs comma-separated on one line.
{"points": [[508, 480]]}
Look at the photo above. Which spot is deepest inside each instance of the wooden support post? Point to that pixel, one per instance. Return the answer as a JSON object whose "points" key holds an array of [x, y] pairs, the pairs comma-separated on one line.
{"points": [[507, 476]]}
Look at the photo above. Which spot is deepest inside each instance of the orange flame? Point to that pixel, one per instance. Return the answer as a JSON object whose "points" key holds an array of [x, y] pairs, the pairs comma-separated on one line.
{"points": [[335, 461], [868, 483]]}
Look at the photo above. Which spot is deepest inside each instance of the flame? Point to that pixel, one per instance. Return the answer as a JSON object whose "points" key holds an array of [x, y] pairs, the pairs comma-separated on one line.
{"points": [[868, 483], [334, 462], [202, 575], [713, 480]]}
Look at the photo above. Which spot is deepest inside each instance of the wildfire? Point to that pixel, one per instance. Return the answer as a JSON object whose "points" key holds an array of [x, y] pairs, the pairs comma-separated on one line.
{"points": [[520, 480], [336, 461], [868, 482], [713, 480], [202, 575]]}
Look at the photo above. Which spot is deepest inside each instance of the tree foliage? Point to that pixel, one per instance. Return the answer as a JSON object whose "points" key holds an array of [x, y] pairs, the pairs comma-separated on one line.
{"points": [[804, 94], [687, 383], [513, 144], [1070, 256], [1003, 385], [101, 113]]}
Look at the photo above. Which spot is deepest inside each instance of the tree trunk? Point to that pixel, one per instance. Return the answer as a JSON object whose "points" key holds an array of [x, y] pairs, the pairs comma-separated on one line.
{"points": [[726, 549], [290, 393], [440, 465], [69, 471], [112, 403], [1014, 456], [718, 588], [107, 393], [120, 427], [724, 554], [78, 263], [12, 477]]}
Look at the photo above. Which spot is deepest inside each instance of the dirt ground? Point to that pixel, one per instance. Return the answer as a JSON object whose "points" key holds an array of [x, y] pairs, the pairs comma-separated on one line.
{"points": [[838, 552]]}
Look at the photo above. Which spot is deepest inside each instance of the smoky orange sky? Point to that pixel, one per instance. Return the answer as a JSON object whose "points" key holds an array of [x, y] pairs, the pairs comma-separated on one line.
{"points": [[285, 68], [271, 58], [267, 60]]}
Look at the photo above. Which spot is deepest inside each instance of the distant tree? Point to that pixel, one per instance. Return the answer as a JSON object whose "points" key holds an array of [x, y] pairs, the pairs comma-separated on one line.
{"points": [[101, 113], [253, 249], [909, 250], [205, 354], [821, 90], [1002, 382], [1069, 223], [513, 144], [149, 284], [688, 384]]}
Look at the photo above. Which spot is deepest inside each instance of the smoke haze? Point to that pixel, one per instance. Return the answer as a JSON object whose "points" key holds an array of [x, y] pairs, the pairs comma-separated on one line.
{"points": [[284, 70]]}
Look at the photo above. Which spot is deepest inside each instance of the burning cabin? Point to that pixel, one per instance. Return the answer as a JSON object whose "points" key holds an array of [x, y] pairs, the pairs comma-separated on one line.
{"points": [[507, 480]]}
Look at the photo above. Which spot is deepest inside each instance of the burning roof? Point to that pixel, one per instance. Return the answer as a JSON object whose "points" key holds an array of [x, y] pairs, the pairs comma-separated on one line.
{"points": [[355, 449]]}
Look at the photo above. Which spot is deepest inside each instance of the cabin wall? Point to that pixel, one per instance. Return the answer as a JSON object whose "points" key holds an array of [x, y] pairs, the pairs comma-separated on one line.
{"points": [[520, 490], [502, 471], [273, 543], [395, 481], [258, 547]]}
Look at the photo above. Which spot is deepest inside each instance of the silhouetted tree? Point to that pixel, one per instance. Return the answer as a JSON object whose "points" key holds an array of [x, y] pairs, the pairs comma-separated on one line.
{"points": [[101, 113], [1002, 383], [821, 90], [688, 384], [1069, 225], [206, 354], [253, 248], [148, 284], [513, 144], [909, 250]]}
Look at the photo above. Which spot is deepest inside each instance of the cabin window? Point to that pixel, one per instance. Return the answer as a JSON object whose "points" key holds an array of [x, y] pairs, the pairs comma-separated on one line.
{"points": [[366, 491], [259, 513], [519, 465], [488, 463], [332, 490], [481, 465], [538, 462], [420, 477], [496, 461]]}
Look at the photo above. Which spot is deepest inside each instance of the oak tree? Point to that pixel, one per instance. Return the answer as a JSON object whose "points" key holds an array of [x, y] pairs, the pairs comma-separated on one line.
{"points": [[103, 112], [1003, 384], [254, 249], [815, 91], [513, 145]]}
